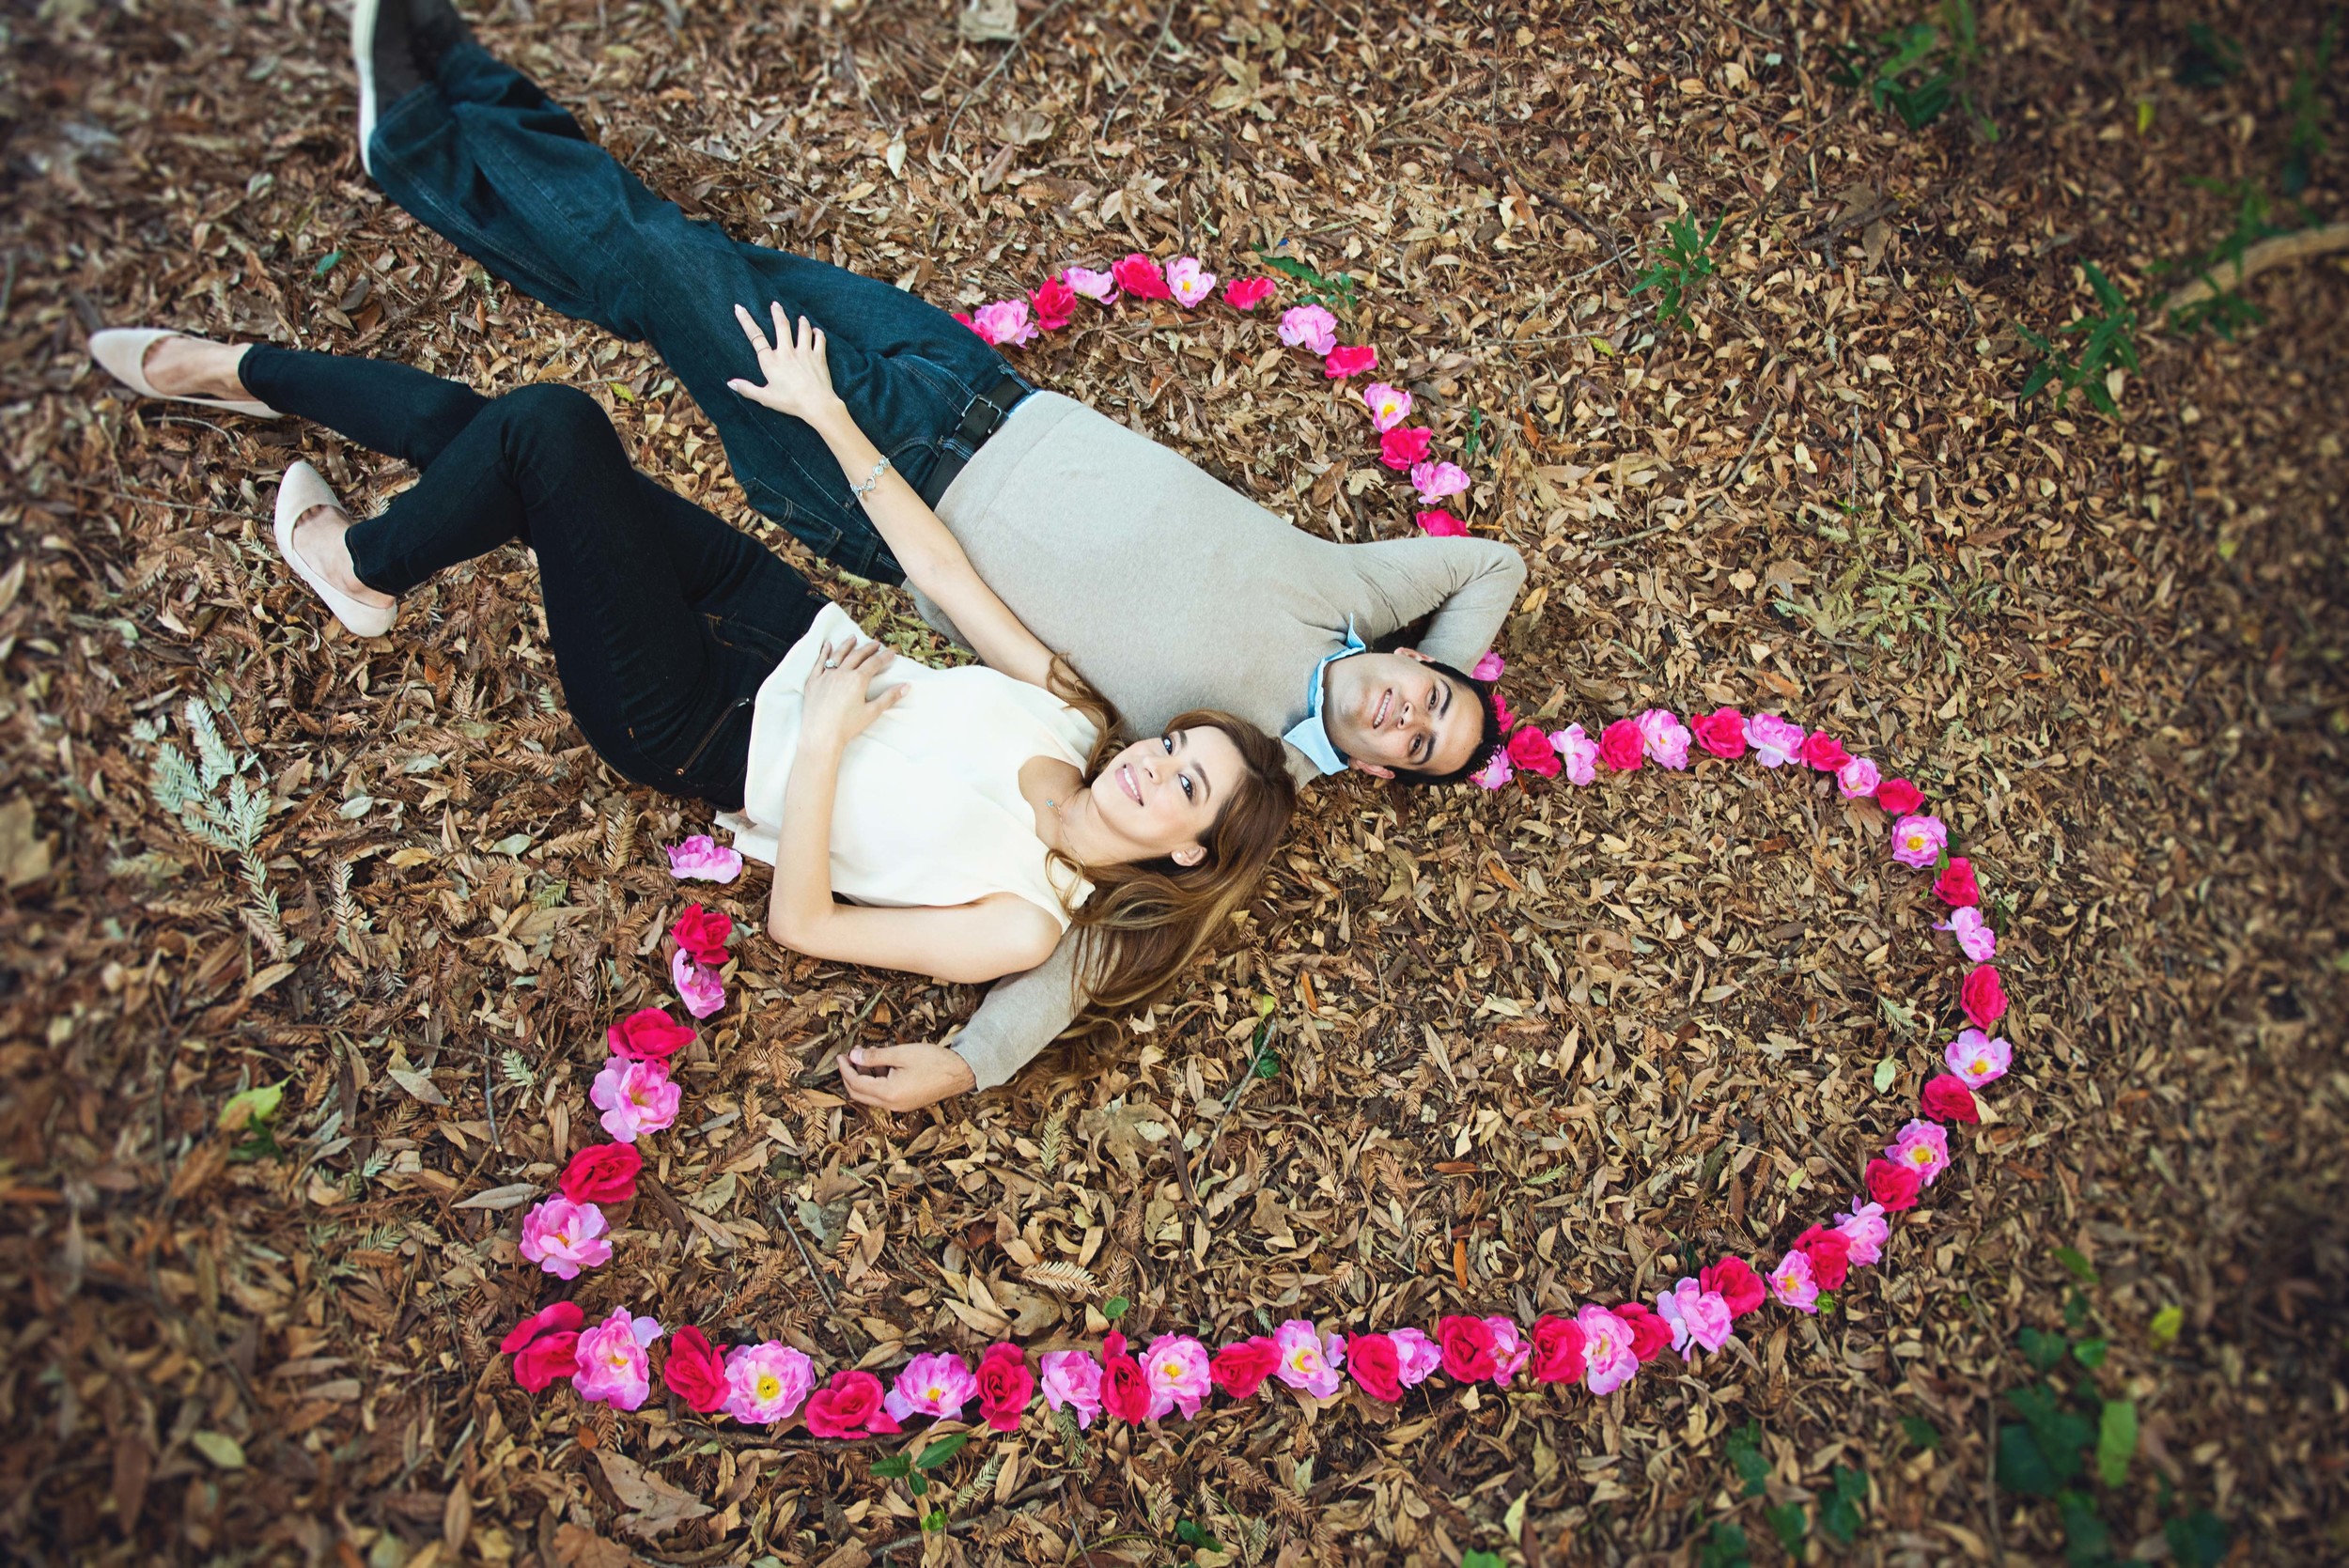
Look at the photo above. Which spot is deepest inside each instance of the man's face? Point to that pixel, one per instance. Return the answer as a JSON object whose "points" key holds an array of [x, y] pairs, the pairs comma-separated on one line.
{"points": [[1386, 711]]}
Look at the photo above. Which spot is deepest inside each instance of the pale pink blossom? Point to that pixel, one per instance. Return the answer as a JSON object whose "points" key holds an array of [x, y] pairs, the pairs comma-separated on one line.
{"points": [[936, 1385], [636, 1097], [1092, 285], [1578, 751], [703, 859], [1389, 406], [1792, 1284], [1978, 1058], [1975, 938], [1857, 778], [1071, 1379], [1489, 667], [697, 986], [1923, 1147], [1434, 480], [1175, 1367], [1309, 327], [1308, 1360], [612, 1367], [1664, 737], [1511, 1349], [1190, 282], [1866, 1229], [564, 1238], [1698, 1317], [767, 1382], [1495, 773], [1606, 1356], [1004, 322], [1417, 1356], [1918, 840], [1775, 741]]}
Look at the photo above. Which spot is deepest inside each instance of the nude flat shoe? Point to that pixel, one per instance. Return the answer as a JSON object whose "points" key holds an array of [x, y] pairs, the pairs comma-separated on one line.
{"points": [[122, 350], [302, 488]]}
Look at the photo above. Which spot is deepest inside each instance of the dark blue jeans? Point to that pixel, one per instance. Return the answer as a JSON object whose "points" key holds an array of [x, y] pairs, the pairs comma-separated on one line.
{"points": [[507, 176], [665, 620]]}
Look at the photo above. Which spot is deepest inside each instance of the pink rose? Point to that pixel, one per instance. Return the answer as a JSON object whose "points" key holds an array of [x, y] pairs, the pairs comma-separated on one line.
{"points": [[697, 986], [1975, 938], [1866, 1229], [1620, 746], [1072, 1380], [1899, 796], [1055, 304], [1977, 1058], [1957, 886], [1176, 1366], [1248, 293], [1240, 1368], [1578, 751], [1792, 1284], [1721, 732], [1405, 446], [612, 1367], [1309, 327], [1389, 406], [1734, 1280], [647, 1034], [1005, 323], [1775, 741], [850, 1405], [1664, 739], [1439, 524], [1189, 282], [1918, 840], [564, 1238], [767, 1382], [1496, 771], [1982, 997], [1922, 1147], [1489, 667], [1530, 752], [694, 1372], [1139, 276], [1006, 1387], [1947, 1099], [1099, 287], [1309, 1359], [1340, 363], [700, 859], [1824, 752], [1609, 1360], [1856, 780], [1698, 1318], [1434, 481], [602, 1173], [938, 1383], [636, 1097], [1421, 1355], [1511, 1350]]}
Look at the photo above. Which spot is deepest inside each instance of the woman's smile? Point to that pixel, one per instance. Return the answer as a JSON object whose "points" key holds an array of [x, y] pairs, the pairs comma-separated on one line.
{"points": [[1126, 781]]}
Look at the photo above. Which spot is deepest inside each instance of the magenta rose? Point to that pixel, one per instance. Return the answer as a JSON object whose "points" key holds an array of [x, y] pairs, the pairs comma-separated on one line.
{"points": [[1982, 997], [1531, 751], [849, 1407], [1957, 886], [1468, 1349], [1721, 732], [1737, 1283], [602, 1173], [1620, 746], [703, 934], [1947, 1099], [1006, 1387], [1899, 796], [1894, 1186], [1240, 1368], [1557, 1350], [695, 1372]]}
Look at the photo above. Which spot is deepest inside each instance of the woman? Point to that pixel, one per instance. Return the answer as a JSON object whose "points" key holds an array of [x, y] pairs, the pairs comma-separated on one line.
{"points": [[974, 814]]}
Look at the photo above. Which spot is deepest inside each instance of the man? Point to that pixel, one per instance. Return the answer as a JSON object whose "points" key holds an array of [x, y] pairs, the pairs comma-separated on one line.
{"points": [[1164, 589]]}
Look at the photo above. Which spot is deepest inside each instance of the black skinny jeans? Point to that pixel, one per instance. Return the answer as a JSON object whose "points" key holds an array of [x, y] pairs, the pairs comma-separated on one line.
{"points": [[664, 619]]}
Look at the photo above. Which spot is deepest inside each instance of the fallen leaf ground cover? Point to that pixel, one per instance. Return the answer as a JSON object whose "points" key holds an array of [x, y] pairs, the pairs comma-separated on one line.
{"points": [[1525, 1049]]}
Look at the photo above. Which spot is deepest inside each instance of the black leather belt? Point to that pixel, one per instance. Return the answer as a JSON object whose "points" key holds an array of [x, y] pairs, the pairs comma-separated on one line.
{"points": [[982, 419]]}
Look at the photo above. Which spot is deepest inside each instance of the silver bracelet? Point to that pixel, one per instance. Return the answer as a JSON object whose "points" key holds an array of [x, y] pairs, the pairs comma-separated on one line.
{"points": [[861, 492]]}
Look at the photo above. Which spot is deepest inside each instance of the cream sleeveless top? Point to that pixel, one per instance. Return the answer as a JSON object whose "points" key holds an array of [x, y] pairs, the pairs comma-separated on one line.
{"points": [[928, 811]]}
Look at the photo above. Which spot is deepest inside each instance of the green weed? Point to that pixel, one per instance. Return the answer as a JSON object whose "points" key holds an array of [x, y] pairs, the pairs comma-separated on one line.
{"points": [[1918, 70], [2209, 58], [2304, 136], [1335, 292], [2108, 344], [1678, 276]]}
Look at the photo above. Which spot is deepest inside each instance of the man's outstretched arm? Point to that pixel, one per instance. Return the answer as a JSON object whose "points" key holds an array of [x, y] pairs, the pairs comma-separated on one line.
{"points": [[1022, 1014]]}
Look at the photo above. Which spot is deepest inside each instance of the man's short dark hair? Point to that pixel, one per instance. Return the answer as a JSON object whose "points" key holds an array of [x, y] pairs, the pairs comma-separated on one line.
{"points": [[1491, 739]]}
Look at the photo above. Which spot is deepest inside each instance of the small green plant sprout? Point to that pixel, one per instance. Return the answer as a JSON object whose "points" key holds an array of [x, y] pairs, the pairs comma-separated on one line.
{"points": [[2304, 113], [231, 820], [1918, 70], [2208, 59], [2219, 304], [2108, 348], [1678, 276], [915, 1470], [1335, 292], [250, 1118]]}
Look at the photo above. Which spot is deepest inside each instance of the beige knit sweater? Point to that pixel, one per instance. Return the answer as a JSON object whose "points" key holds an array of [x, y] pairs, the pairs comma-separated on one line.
{"points": [[1168, 592]]}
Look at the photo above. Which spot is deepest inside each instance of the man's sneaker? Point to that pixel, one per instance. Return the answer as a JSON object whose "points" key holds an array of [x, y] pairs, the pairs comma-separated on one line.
{"points": [[382, 48]]}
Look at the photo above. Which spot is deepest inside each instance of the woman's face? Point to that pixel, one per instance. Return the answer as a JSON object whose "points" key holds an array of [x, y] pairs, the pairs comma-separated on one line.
{"points": [[1161, 796]]}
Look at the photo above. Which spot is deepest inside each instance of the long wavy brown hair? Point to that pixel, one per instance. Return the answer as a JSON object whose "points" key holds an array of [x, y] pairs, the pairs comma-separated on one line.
{"points": [[1145, 920]]}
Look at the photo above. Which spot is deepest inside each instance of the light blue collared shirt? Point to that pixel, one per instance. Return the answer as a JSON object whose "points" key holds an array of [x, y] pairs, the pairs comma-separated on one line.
{"points": [[1311, 736]]}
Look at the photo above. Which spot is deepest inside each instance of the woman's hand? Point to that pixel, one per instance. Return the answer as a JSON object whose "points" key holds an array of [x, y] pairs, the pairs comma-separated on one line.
{"points": [[798, 375], [904, 1078], [835, 707]]}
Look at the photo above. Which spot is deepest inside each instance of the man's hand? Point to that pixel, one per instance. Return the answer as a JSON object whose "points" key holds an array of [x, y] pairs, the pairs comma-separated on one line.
{"points": [[904, 1078]]}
